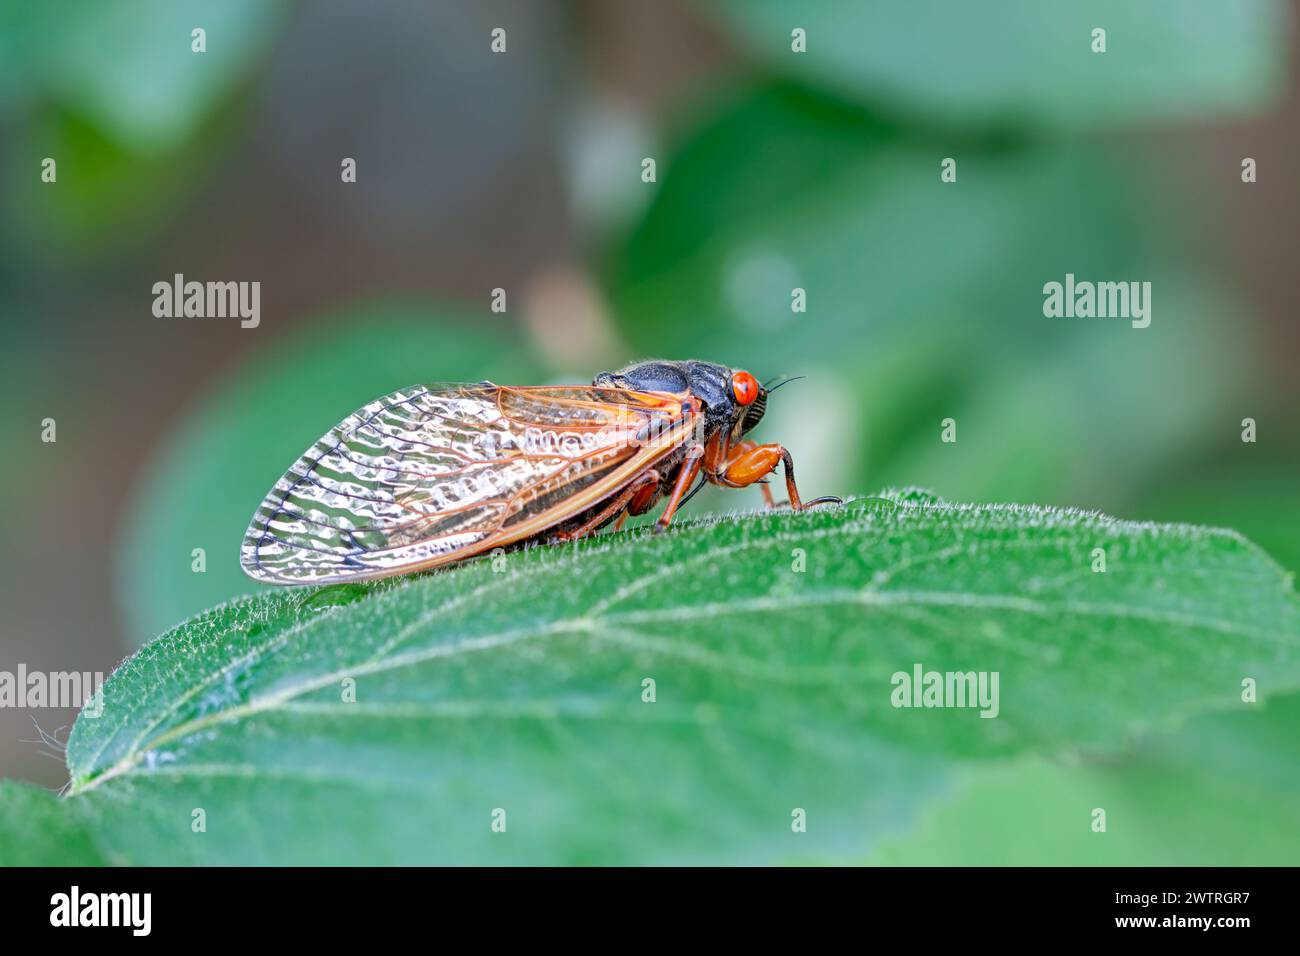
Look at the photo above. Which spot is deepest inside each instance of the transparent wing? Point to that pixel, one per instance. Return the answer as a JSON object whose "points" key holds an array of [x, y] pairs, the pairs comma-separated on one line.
{"points": [[435, 473]]}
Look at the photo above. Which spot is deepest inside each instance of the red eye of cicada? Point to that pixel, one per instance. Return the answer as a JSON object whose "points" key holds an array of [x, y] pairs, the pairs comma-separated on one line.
{"points": [[745, 387]]}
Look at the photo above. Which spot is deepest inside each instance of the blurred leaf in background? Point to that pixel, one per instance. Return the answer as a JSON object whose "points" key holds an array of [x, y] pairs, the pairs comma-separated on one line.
{"points": [[1027, 61], [212, 472], [115, 94], [127, 66], [110, 202], [1259, 496], [924, 299]]}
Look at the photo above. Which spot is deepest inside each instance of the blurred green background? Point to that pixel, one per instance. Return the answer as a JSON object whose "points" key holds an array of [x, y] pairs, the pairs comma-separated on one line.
{"points": [[522, 171]]}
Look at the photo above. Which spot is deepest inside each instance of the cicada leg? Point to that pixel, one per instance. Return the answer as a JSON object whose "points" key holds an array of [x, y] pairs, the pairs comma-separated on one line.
{"points": [[643, 499], [749, 462], [685, 478], [647, 479], [729, 454]]}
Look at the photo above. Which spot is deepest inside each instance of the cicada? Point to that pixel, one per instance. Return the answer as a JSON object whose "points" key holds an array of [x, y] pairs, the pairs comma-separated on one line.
{"points": [[434, 474]]}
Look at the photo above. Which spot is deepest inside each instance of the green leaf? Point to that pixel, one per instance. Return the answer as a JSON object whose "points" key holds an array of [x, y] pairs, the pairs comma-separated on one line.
{"points": [[518, 685], [1028, 61], [211, 474]]}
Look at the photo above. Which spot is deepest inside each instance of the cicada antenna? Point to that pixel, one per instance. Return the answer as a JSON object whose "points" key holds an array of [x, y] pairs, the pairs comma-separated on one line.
{"points": [[784, 381]]}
